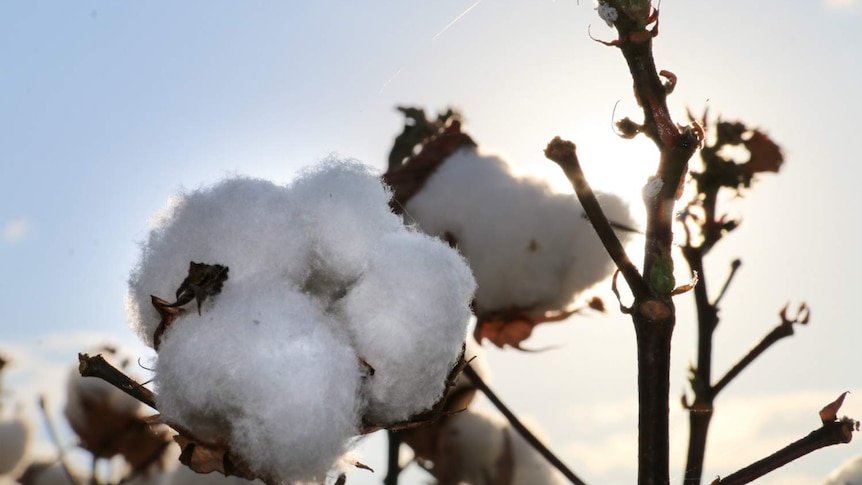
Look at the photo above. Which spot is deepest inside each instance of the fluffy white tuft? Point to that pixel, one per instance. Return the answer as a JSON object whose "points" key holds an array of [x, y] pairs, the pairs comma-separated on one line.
{"points": [[322, 279], [530, 248], [406, 314]]}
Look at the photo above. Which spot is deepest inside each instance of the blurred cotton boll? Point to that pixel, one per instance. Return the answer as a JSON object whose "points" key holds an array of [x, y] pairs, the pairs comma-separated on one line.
{"points": [[848, 473], [15, 437], [334, 316], [531, 248]]}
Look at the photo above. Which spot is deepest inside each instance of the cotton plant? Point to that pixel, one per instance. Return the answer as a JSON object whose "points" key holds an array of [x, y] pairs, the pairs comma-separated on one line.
{"points": [[533, 252], [306, 314]]}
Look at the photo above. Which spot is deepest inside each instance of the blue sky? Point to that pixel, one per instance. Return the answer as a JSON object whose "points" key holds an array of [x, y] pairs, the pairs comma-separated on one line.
{"points": [[110, 107]]}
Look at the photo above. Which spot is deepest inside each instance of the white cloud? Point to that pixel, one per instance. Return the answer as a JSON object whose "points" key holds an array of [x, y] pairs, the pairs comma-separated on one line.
{"points": [[15, 229], [743, 430], [841, 4]]}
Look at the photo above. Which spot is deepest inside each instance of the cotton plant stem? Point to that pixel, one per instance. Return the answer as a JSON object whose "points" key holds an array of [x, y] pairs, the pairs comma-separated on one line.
{"points": [[393, 455], [520, 428], [783, 330], [831, 433], [563, 153], [97, 366], [701, 410]]}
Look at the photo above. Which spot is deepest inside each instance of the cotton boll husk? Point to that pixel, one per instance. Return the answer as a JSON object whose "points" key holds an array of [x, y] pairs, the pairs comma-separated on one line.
{"points": [[345, 210], [242, 223], [848, 473], [530, 248], [262, 370], [408, 316], [14, 444]]}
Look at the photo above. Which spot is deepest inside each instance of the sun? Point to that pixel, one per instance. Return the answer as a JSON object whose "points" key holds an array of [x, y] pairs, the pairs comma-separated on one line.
{"points": [[610, 163]]}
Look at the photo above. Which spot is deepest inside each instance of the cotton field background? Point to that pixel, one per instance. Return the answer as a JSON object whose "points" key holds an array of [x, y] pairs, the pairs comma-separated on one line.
{"points": [[110, 109]]}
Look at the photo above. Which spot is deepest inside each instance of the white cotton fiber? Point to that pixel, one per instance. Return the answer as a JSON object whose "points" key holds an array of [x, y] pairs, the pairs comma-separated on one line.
{"points": [[344, 212], [407, 316], [530, 248], [240, 220], [321, 277], [265, 373], [14, 444]]}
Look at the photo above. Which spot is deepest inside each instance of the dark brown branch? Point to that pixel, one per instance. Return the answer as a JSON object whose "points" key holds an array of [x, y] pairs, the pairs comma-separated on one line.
{"points": [[393, 455], [55, 438], [563, 154], [784, 329], [97, 366], [831, 433], [520, 428]]}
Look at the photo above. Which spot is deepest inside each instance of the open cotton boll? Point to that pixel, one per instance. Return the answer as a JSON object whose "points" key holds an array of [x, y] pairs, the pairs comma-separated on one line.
{"points": [[14, 443], [408, 316], [530, 248], [344, 211], [263, 371], [242, 222], [849, 472]]}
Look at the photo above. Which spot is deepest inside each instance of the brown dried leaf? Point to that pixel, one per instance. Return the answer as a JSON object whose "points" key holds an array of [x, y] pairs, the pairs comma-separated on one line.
{"points": [[168, 314], [409, 178], [829, 413], [765, 155], [208, 458], [513, 327], [203, 280]]}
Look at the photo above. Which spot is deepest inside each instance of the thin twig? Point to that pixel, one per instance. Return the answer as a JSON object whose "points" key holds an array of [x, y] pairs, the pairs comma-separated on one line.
{"points": [[831, 433], [97, 366], [734, 267], [563, 154], [520, 428], [55, 438], [784, 329]]}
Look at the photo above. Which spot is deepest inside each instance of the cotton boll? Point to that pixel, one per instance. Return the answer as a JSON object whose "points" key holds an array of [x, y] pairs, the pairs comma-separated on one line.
{"points": [[408, 316], [530, 248], [530, 466], [48, 474], [345, 210], [262, 371], [242, 223], [477, 445], [185, 476], [14, 443], [850, 472]]}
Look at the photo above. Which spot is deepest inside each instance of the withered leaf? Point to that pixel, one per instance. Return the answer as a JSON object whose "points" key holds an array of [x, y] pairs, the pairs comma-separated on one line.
{"points": [[167, 313], [409, 178], [203, 280], [512, 328], [765, 154], [209, 457], [829, 413]]}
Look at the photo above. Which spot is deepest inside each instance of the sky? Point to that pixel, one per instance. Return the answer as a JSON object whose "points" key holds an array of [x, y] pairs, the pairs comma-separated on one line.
{"points": [[109, 108]]}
